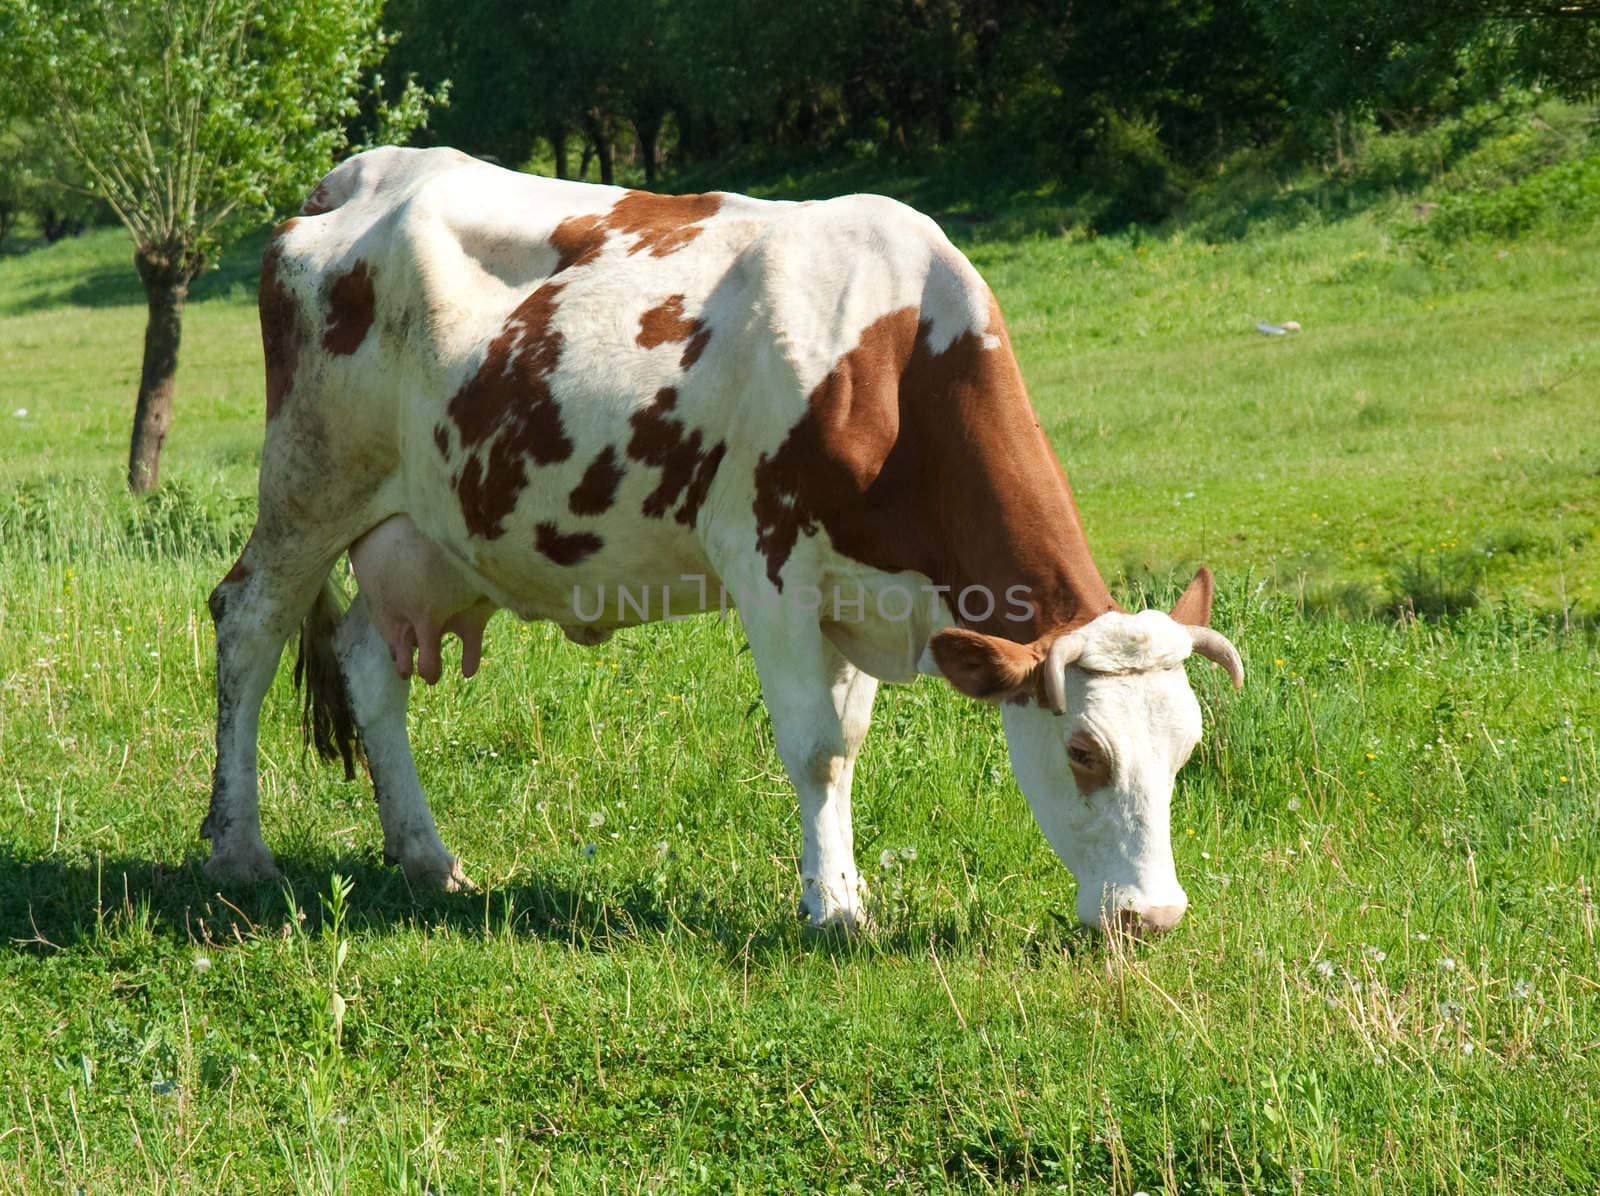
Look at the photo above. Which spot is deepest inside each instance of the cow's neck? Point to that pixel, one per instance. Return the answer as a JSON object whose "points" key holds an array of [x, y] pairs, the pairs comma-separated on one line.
{"points": [[969, 493]]}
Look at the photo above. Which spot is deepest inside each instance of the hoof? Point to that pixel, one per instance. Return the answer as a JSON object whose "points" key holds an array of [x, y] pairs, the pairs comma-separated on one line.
{"points": [[840, 912], [251, 865], [439, 876]]}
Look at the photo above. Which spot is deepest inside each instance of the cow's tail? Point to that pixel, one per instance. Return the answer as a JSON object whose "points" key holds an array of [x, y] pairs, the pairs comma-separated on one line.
{"points": [[326, 719]]}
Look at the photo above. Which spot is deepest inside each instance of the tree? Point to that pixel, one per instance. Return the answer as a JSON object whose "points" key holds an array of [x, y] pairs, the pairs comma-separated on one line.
{"points": [[192, 120]]}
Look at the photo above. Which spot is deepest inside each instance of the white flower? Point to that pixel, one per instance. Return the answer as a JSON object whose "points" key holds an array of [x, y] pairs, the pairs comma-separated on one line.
{"points": [[1522, 989], [202, 963], [21, 413], [1325, 968], [1293, 804], [908, 854], [1376, 956], [1466, 1048], [886, 859], [1448, 964], [597, 819]]}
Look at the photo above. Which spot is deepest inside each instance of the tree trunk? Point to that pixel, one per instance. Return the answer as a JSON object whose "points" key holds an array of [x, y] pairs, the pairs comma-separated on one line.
{"points": [[558, 149], [166, 276], [648, 131], [596, 127]]}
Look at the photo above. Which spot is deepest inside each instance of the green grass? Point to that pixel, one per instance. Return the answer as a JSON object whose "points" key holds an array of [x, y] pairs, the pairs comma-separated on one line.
{"points": [[1388, 979]]}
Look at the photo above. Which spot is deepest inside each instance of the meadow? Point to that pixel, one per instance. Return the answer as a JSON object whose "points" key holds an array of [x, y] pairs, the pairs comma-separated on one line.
{"points": [[1388, 979]]}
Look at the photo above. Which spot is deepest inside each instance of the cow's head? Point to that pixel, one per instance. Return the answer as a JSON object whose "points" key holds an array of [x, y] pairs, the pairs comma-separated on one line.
{"points": [[1099, 721]]}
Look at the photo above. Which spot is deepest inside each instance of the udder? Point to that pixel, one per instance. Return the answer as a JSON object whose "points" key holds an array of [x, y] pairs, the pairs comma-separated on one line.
{"points": [[416, 595]]}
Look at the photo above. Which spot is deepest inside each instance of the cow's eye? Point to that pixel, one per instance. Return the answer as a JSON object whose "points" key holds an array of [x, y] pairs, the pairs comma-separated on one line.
{"points": [[1080, 755]]}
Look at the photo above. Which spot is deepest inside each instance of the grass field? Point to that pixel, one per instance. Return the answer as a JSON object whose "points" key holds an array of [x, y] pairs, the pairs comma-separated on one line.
{"points": [[1388, 979]]}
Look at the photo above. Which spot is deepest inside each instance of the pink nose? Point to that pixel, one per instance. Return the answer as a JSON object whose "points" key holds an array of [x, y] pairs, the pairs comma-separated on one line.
{"points": [[1153, 920]]}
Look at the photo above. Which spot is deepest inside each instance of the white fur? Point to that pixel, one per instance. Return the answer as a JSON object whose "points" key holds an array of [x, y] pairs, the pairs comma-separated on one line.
{"points": [[1130, 693]]}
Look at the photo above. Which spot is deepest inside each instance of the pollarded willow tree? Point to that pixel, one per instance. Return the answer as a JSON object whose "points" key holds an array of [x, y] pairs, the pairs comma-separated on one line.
{"points": [[194, 120]]}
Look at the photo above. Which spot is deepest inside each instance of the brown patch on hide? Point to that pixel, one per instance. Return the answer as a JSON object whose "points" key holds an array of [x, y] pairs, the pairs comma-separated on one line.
{"points": [[566, 549], [352, 304], [934, 462], [319, 201], [577, 241], [659, 224], [696, 346], [507, 416], [280, 322], [665, 324], [597, 490], [441, 440], [659, 440], [700, 485]]}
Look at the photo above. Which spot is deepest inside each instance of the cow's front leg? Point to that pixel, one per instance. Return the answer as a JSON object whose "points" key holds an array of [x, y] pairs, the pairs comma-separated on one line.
{"points": [[820, 706], [378, 697]]}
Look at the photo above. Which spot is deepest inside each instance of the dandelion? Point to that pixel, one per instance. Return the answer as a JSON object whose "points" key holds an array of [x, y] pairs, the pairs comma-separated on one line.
{"points": [[1325, 968], [202, 963], [662, 848], [1449, 1010], [1205, 855], [908, 854], [1466, 1048], [1448, 964], [1422, 936], [886, 859], [1522, 989], [542, 807], [20, 413], [1376, 956], [1294, 804], [597, 819]]}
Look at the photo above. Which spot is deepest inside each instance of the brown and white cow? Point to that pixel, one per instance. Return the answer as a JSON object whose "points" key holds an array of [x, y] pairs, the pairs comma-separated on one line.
{"points": [[598, 407]]}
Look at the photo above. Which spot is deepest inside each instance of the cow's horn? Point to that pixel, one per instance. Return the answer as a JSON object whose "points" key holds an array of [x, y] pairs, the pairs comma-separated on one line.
{"points": [[1214, 646], [1063, 652]]}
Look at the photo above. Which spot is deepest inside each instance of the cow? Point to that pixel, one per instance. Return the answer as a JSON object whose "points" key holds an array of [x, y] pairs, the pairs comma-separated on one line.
{"points": [[502, 392]]}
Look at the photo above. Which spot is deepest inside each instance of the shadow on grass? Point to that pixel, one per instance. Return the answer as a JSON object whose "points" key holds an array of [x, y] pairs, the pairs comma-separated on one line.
{"points": [[52, 904]]}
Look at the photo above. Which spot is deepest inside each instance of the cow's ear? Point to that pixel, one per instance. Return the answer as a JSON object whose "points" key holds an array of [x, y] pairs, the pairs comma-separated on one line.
{"points": [[984, 666], [1193, 608]]}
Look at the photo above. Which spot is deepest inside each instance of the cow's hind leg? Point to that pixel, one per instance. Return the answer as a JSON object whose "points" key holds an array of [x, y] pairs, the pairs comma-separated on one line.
{"points": [[821, 706], [256, 608], [378, 697]]}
